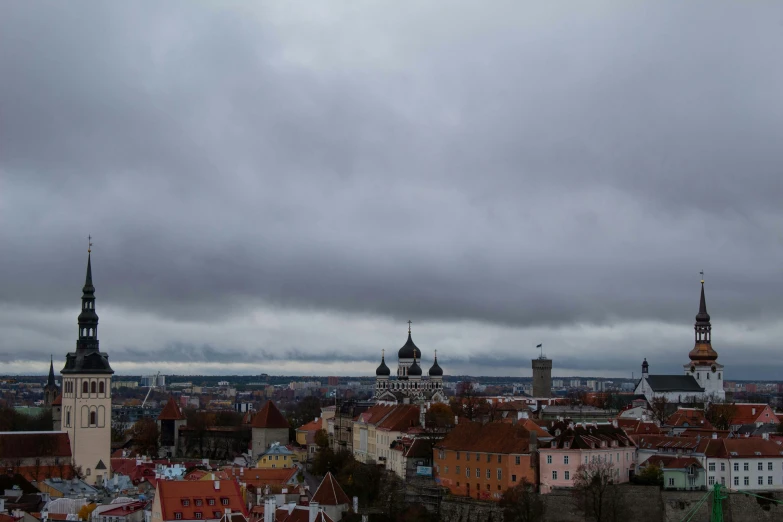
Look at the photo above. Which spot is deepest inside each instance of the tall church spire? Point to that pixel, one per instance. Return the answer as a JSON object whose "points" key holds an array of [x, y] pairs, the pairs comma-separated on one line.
{"points": [[702, 350], [88, 357], [88, 319], [50, 380]]}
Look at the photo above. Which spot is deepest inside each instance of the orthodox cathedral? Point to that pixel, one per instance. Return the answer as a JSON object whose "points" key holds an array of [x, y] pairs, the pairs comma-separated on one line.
{"points": [[703, 377], [409, 386]]}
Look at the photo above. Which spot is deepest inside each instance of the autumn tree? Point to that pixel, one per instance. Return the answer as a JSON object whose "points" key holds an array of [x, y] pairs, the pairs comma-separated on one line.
{"points": [[651, 475], [86, 510], [599, 498], [521, 503], [146, 437], [467, 403]]}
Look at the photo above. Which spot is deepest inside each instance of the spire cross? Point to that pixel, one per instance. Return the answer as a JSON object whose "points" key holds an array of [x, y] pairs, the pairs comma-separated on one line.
{"points": [[702, 276], [383, 353], [409, 325], [89, 244]]}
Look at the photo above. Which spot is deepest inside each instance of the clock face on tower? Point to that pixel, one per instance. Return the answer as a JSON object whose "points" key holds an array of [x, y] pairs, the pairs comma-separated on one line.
{"points": [[693, 369], [714, 368]]}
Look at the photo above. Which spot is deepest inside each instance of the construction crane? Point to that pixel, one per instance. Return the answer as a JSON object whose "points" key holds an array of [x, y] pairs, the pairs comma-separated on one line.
{"points": [[153, 384]]}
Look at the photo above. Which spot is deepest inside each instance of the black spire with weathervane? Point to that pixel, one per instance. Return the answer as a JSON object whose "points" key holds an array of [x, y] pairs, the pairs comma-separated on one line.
{"points": [[702, 351], [87, 358]]}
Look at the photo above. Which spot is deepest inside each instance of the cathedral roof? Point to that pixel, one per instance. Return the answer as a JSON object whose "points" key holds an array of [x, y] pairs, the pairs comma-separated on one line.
{"points": [[436, 370], [673, 383], [383, 370], [409, 350]]}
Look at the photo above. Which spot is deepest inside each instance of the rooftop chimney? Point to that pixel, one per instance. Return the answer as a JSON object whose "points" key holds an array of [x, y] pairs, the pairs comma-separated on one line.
{"points": [[313, 511]]}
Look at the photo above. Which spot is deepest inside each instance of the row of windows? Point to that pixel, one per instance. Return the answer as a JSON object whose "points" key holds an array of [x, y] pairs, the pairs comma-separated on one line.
{"points": [[478, 486], [745, 466], [199, 502], [198, 515], [607, 458], [478, 472], [87, 387], [478, 457], [566, 475]]}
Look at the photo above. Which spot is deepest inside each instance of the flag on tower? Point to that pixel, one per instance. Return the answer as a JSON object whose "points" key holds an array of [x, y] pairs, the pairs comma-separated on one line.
{"points": [[539, 345]]}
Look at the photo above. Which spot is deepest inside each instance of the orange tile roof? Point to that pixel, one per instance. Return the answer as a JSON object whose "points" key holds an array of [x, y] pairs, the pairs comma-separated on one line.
{"points": [[487, 438], [310, 426], [269, 417], [173, 494], [271, 477], [58, 401], [529, 425], [374, 414], [171, 411], [638, 427], [329, 493]]}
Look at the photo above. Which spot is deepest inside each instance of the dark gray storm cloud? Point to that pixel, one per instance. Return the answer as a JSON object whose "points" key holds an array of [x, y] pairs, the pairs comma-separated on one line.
{"points": [[525, 165]]}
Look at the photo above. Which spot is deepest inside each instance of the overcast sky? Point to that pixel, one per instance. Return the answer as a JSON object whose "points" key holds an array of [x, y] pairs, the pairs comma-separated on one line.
{"points": [[278, 187]]}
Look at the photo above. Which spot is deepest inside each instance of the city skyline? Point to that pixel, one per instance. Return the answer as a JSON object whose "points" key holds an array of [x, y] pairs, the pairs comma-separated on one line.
{"points": [[280, 190]]}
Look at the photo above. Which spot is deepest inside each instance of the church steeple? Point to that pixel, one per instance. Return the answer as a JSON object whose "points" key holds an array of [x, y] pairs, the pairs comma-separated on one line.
{"points": [[702, 350], [87, 358], [50, 380], [88, 319]]}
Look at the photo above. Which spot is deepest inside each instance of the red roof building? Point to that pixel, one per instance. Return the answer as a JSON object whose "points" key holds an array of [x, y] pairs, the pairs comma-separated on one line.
{"points": [[269, 417], [25, 447], [750, 413], [196, 500], [171, 411]]}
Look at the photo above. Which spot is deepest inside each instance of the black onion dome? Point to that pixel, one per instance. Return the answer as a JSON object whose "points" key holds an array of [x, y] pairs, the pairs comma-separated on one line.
{"points": [[383, 370], [436, 370], [409, 350], [414, 369]]}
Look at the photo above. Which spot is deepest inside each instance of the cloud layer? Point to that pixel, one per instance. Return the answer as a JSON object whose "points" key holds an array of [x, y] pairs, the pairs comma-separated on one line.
{"points": [[283, 186]]}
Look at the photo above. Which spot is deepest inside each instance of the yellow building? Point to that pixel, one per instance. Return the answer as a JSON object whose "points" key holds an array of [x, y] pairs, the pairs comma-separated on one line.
{"points": [[276, 457]]}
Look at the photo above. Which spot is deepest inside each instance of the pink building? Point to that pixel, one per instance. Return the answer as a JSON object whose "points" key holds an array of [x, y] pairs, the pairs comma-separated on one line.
{"points": [[579, 444]]}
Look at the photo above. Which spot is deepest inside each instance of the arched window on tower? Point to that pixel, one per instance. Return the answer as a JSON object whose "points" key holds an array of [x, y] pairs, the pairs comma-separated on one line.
{"points": [[93, 418], [101, 388], [85, 388], [93, 387]]}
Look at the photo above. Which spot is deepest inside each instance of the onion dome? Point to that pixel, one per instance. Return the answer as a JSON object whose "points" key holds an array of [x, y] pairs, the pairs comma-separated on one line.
{"points": [[409, 350], [383, 370], [414, 369], [436, 371]]}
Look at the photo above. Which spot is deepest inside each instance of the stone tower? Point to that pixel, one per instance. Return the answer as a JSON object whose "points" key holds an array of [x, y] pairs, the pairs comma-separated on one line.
{"points": [[86, 394], [542, 377]]}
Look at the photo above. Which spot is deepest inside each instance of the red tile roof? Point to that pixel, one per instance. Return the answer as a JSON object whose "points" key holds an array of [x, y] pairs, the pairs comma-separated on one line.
{"points": [[269, 417], [329, 493], [487, 438], [750, 413], [173, 493], [689, 417], [124, 509], [58, 401], [401, 418], [744, 448], [666, 443], [638, 427], [374, 414], [34, 444], [171, 411], [259, 477], [682, 463]]}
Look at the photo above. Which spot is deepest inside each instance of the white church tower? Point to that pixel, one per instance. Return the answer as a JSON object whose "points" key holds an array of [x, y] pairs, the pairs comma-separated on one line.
{"points": [[86, 394]]}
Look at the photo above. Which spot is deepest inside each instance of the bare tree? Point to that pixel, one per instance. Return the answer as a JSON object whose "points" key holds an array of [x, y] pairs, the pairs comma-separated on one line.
{"points": [[522, 504], [596, 493], [660, 409], [721, 414]]}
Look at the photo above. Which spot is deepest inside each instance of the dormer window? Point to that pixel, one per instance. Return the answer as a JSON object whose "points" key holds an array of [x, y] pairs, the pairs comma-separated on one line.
{"points": [[554, 444], [185, 502], [566, 445]]}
